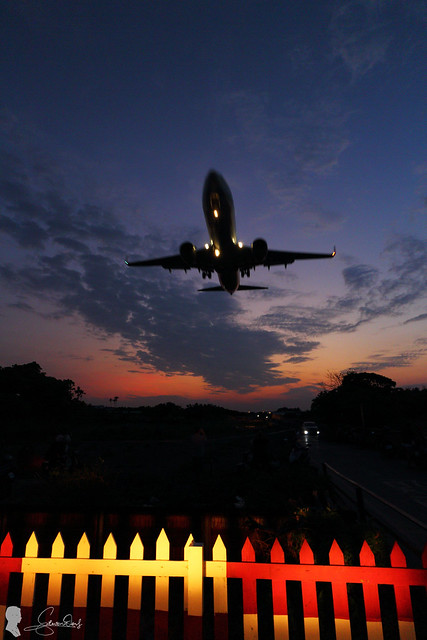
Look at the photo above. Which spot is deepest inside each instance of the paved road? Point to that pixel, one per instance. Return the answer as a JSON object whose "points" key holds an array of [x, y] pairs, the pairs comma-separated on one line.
{"points": [[391, 479]]}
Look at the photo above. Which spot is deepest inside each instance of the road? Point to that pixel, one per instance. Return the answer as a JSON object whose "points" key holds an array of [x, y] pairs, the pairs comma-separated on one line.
{"points": [[389, 478]]}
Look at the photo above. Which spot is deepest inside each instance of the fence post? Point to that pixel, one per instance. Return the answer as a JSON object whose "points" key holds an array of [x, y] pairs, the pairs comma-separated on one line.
{"points": [[403, 598], [371, 597], [280, 602], [134, 592], [107, 591], [187, 545], [219, 557], [340, 597], [28, 582], [193, 620], [161, 615], [309, 597], [80, 588], [250, 610], [55, 579]]}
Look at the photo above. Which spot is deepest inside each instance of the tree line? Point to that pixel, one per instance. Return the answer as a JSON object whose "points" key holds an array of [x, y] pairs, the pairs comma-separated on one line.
{"points": [[365, 401]]}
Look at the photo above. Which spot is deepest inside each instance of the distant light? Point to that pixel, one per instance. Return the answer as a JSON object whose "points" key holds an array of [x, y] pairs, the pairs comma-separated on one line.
{"points": [[206, 246], [217, 252], [305, 432], [215, 213], [240, 245]]}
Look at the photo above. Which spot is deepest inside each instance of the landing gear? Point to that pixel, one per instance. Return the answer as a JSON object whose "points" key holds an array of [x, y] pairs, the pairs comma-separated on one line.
{"points": [[245, 272], [206, 274]]}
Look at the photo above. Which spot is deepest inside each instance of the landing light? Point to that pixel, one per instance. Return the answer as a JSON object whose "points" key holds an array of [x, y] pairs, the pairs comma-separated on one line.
{"points": [[240, 245], [206, 246], [217, 252], [215, 213]]}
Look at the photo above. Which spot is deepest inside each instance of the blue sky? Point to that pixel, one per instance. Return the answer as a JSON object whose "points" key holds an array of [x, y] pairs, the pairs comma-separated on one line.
{"points": [[113, 113]]}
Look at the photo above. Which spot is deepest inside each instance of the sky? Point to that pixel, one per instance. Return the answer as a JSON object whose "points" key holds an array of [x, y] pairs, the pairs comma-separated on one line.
{"points": [[112, 114]]}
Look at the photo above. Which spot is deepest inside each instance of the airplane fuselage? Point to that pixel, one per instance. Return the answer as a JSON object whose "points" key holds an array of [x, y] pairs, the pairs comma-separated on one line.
{"points": [[218, 208]]}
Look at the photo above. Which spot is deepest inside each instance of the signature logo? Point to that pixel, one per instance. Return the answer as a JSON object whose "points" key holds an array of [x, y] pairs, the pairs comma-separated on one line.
{"points": [[43, 627]]}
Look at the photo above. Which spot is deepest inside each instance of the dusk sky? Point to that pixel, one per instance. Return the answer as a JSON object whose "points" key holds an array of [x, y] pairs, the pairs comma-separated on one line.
{"points": [[112, 113]]}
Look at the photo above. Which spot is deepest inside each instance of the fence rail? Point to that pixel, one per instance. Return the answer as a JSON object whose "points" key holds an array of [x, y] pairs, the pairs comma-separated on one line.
{"points": [[360, 490], [40, 616]]}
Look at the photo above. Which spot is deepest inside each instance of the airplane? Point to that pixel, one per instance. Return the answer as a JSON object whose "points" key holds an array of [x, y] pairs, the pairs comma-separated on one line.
{"points": [[224, 255]]}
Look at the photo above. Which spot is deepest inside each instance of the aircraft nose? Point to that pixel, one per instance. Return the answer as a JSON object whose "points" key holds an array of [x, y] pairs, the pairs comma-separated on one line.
{"points": [[212, 180]]}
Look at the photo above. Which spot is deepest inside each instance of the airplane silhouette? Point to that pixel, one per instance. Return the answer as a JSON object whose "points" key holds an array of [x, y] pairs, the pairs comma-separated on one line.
{"points": [[223, 254]]}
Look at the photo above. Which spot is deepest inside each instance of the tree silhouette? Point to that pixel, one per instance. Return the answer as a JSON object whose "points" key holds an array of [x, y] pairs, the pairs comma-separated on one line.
{"points": [[368, 401], [26, 392]]}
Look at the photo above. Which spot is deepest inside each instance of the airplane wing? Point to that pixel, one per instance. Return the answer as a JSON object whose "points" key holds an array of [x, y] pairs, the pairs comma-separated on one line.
{"points": [[287, 257], [169, 262], [202, 260]]}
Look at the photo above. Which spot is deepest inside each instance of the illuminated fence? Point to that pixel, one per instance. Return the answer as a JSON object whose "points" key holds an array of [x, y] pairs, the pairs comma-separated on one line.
{"points": [[193, 571]]}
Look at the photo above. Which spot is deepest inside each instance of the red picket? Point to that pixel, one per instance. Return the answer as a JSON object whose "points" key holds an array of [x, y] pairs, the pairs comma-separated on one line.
{"points": [[339, 595], [280, 601], [309, 595], [250, 609], [371, 596], [8, 565], [403, 597]]}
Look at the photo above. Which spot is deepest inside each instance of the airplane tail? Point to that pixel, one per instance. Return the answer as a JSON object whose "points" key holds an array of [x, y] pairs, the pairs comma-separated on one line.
{"points": [[242, 287], [248, 287]]}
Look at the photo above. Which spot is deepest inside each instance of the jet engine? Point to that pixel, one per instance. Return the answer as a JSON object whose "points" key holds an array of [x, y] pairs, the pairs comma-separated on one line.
{"points": [[188, 253], [259, 250]]}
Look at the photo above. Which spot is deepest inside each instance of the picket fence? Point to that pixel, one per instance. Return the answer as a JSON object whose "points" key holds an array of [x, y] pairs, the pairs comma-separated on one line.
{"points": [[194, 569]]}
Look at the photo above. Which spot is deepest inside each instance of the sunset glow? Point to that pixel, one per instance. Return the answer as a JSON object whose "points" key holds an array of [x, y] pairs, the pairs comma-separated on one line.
{"points": [[314, 117]]}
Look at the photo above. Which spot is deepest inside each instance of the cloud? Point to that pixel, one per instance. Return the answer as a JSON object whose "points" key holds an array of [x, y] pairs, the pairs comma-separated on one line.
{"points": [[306, 141], [360, 276], [28, 234], [378, 362], [367, 34], [422, 316], [299, 350], [308, 321], [370, 294], [359, 36], [21, 306], [298, 396]]}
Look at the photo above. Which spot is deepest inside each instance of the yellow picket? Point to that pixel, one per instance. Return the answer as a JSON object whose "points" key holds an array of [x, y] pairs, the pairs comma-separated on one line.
{"points": [[55, 579]]}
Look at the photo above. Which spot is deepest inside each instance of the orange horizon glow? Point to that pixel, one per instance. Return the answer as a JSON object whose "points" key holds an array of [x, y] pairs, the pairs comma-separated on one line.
{"points": [[96, 368], [130, 387]]}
